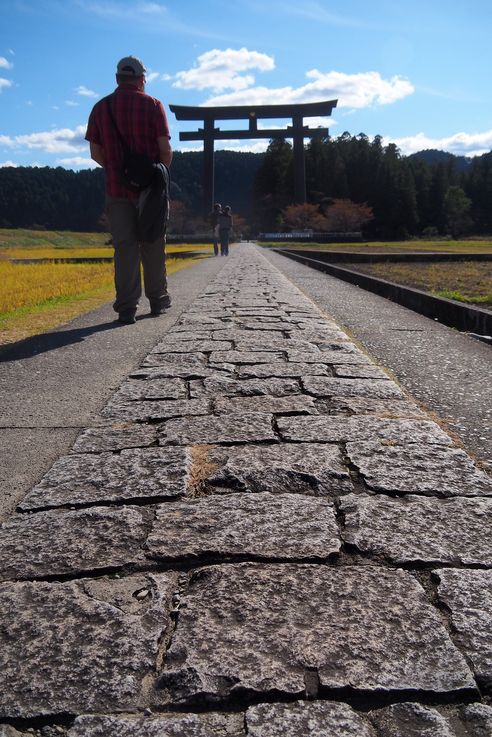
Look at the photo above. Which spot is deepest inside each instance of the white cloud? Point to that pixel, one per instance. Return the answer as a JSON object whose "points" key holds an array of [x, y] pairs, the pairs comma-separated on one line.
{"points": [[5, 63], [58, 141], [5, 83], [77, 161], [85, 92], [220, 70], [352, 90], [8, 163], [152, 76], [71, 103], [460, 144]]}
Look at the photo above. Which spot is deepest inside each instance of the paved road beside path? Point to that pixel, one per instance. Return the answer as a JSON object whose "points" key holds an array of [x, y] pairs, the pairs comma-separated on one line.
{"points": [[260, 534], [449, 372]]}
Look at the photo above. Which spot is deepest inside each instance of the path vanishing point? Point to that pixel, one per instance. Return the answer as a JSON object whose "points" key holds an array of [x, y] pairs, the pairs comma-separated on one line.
{"points": [[263, 534]]}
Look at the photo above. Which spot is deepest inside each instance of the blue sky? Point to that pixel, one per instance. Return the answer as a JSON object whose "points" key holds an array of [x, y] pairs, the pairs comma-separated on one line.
{"points": [[416, 72]]}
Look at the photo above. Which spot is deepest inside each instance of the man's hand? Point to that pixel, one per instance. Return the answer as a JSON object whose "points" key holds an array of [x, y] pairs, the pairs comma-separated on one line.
{"points": [[165, 150], [97, 153]]}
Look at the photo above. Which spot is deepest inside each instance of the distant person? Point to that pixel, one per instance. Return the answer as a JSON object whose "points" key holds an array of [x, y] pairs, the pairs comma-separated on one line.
{"points": [[214, 221], [122, 125], [225, 230]]}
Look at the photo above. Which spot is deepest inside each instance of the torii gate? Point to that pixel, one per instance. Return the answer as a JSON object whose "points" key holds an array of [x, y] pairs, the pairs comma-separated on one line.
{"points": [[209, 133]]}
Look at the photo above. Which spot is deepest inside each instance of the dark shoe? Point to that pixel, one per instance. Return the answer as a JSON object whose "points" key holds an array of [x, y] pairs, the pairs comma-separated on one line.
{"points": [[127, 317], [158, 308]]}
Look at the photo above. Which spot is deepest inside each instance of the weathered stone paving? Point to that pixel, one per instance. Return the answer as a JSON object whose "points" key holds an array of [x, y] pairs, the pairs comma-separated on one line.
{"points": [[264, 535]]}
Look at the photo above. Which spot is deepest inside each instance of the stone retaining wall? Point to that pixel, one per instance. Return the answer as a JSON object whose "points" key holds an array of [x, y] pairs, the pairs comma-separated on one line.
{"points": [[266, 536]]}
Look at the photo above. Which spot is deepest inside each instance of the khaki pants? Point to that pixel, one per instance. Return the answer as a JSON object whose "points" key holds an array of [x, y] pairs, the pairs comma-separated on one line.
{"points": [[129, 253]]}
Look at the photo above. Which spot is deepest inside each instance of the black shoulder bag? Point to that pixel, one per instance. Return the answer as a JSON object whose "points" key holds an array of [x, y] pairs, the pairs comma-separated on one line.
{"points": [[137, 170]]}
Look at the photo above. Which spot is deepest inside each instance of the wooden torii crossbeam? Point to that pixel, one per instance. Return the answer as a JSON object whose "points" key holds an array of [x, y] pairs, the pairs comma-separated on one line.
{"points": [[209, 134]]}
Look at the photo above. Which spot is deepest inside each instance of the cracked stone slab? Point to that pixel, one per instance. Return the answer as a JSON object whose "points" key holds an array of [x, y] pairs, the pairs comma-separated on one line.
{"points": [[241, 427], [269, 405], [143, 473], [307, 719], [336, 387], [418, 469], [381, 407], [468, 597], [312, 468], [415, 529], [165, 725], [228, 387], [268, 526], [81, 646], [333, 429], [278, 368], [134, 389], [144, 411], [244, 356], [360, 627], [100, 439], [58, 543], [409, 718]]}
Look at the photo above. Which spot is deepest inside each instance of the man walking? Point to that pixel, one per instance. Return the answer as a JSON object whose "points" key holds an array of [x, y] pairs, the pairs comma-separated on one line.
{"points": [[132, 120], [214, 221]]}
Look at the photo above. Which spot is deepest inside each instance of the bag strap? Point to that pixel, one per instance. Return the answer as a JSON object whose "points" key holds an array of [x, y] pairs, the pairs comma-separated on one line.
{"points": [[126, 147]]}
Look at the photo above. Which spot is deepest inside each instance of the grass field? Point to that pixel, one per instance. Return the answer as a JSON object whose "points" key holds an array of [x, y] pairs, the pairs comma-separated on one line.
{"points": [[466, 281], [38, 297]]}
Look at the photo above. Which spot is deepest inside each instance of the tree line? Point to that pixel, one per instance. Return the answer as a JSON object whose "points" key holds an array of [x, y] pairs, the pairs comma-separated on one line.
{"points": [[429, 193]]}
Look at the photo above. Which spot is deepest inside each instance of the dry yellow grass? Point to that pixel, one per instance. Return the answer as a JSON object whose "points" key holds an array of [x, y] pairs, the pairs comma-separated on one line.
{"points": [[465, 281], [38, 297]]}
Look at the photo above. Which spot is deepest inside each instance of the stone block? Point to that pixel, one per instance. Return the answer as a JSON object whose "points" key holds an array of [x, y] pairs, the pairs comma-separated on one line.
{"points": [[80, 646], [395, 408], [169, 388], [229, 387], [143, 473], [245, 357], [164, 725], [415, 529], [333, 429], [285, 368], [144, 411], [241, 427], [418, 469], [312, 468], [409, 718], [257, 629], [266, 526], [307, 719], [126, 435], [367, 371], [299, 403], [468, 597], [60, 542], [335, 387]]}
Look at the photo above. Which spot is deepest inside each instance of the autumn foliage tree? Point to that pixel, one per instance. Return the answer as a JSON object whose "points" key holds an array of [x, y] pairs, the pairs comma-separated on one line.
{"points": [[303, 217], [345, 216]]}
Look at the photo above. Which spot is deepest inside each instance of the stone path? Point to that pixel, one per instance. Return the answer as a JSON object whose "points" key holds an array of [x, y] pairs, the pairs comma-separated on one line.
{"points": [[263, 536]]}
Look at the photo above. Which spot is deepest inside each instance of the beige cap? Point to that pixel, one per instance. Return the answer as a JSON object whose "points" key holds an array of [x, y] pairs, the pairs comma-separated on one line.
{"points": [[131, 66]]}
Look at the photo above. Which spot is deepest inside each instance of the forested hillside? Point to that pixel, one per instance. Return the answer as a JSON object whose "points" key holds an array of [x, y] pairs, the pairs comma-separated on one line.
{"points": [[429, 193]]}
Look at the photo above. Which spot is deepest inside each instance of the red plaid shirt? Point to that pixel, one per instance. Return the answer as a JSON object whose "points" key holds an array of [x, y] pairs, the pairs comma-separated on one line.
{"points": [[141, 121]]}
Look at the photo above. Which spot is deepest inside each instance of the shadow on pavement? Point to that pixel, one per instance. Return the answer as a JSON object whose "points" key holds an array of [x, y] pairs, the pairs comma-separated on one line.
{"points": [[37, 344]]}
